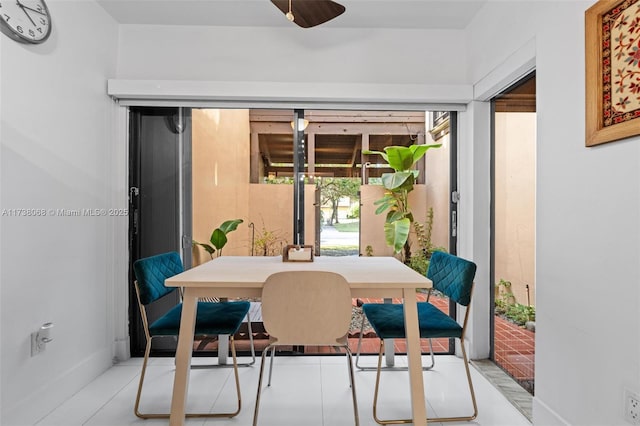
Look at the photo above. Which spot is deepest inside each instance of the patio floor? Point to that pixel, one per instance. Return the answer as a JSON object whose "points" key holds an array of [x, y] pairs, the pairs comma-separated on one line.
{"points": [[514, 352]]}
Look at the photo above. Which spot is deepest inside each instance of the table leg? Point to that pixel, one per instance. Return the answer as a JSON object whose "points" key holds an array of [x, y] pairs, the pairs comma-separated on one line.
{"points": [[223, 343], [414, 354], [389, 349], [389, 352], [223, 348], [183, 359]]}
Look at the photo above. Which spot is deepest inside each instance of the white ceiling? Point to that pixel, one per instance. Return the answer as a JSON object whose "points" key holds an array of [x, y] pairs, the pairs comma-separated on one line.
{"points": [[410, 14]]}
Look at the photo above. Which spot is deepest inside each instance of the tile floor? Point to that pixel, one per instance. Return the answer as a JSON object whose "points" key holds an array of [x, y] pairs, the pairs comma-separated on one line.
{"points": [[306, 390]]}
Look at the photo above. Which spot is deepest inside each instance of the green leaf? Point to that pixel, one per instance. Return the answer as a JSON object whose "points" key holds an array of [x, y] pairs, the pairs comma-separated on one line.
{"points": [[218, 238], [230, 225], [380, 201], [396, 215], [380, 153], [418, 151], [207, 247], [396, 233], [384, 203], [398, 181], [383, 207], [400, 158], [387, 198]]}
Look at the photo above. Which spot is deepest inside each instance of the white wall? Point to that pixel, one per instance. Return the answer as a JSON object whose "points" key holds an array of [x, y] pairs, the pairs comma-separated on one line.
{"points": [[286, 67], [588, 211], [474, 207], [57, 136], [289, 55]]}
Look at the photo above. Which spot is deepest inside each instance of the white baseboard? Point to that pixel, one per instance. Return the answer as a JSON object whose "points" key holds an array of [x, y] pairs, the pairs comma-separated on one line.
{"points": [[51, 395], [121, 350], [543, 415]]}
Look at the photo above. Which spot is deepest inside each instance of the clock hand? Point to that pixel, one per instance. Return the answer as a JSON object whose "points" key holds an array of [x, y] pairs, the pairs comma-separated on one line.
{"points": [[26, 13], [29, 8]]}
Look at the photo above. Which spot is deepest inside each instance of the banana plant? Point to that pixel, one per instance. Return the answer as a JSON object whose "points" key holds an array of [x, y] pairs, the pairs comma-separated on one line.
{"points": [[219, 237], [398, 185]]}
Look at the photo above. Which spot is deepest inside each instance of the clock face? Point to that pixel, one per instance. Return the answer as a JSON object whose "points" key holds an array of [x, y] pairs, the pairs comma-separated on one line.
{"points": [[25, 20]]}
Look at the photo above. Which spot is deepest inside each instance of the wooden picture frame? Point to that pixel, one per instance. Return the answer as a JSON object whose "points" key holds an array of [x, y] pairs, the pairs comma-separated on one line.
{"points": [[612, 66]]}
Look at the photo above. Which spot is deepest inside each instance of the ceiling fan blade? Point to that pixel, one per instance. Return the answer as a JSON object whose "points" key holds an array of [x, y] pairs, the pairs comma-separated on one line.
{"points": [[309, 13]]}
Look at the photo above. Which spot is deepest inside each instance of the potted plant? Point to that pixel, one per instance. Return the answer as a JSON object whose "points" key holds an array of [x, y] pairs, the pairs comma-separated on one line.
{"points": [[219, 237], [398, 185]]}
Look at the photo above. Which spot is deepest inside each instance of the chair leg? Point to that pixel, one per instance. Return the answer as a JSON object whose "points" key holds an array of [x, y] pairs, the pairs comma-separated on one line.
{"points": [[433, 359], [471, 390], [257, 407], [352, 382], [465, 360], [201, 346], [364, 368], [377, 387], [429, 419], [360, 347], [353, 386], [253, 348], [166, 415], [273, 354], [136, 408]]}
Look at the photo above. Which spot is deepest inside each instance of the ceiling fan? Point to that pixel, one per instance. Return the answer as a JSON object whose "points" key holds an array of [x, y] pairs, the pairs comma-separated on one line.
{"points": [[309, 13]]}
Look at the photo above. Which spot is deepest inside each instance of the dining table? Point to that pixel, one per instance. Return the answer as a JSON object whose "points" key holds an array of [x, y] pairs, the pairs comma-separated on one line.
{"points": [[233, 277]]}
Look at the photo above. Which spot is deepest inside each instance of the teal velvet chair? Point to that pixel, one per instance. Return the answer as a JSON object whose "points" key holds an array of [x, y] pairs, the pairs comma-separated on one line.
{"points": [[212, 319], [451, 276]]}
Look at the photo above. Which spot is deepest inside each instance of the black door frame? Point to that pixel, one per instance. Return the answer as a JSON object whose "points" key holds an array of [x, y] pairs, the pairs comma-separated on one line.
{"points": [[177, 121]]}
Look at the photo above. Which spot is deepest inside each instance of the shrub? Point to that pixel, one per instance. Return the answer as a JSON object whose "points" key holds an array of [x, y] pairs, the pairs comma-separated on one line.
{"points": [[507, 307]]}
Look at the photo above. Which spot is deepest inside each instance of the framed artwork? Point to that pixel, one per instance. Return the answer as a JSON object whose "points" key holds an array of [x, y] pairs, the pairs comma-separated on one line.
{"points": [[612, 59]]}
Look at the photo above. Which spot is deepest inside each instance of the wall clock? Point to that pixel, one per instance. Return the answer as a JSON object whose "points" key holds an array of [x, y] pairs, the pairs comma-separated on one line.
{"points": [[26, 21]]}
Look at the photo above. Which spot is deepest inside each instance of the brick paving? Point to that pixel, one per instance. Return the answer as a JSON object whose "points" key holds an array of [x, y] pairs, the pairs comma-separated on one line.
{"points": [[514, 352]]}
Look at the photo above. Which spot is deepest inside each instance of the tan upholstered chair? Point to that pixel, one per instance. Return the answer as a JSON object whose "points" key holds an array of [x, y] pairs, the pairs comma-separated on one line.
{"points": [[306, 308]]}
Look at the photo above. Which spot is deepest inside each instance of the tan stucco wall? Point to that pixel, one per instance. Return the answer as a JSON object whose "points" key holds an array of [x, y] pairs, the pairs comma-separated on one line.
{"points": [[437, 166], [272, 206], [515, 202], [221, 189], [220, 145]]}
